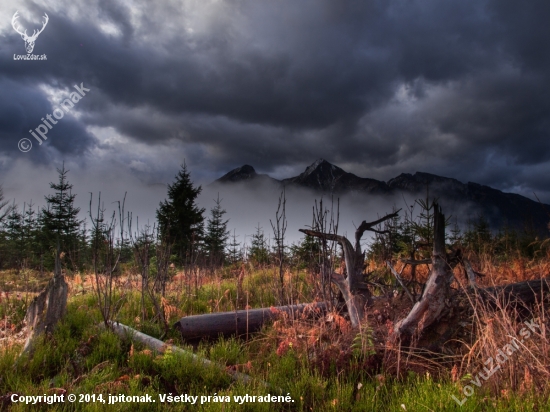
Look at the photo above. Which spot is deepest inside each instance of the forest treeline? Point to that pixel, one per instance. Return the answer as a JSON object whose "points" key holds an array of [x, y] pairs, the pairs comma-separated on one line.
{"points": [[185, 234]]}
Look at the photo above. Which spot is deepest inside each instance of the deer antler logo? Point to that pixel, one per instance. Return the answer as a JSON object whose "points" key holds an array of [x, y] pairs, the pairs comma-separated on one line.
{"points": [[29, 40]]}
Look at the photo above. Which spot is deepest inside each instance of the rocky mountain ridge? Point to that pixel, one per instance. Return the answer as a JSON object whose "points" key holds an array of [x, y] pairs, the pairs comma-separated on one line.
{"points": [[499, 208]]}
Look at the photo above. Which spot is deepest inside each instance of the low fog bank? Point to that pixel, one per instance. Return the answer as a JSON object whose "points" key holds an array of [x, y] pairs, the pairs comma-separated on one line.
{"points": [[249, 204]]}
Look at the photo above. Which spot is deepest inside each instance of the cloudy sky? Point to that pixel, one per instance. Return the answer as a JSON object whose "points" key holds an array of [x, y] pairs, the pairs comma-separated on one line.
{"points": [[458, 88]]}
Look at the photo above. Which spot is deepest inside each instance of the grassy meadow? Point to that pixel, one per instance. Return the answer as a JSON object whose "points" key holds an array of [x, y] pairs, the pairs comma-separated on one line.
{"points": [[321, 363]]}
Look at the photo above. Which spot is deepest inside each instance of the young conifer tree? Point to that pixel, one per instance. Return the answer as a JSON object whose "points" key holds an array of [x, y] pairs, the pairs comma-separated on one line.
{"points": [[216, 237], [235, 253], [259, 251], [59, 220], [5, 210], [180, 220], [14, 238]]}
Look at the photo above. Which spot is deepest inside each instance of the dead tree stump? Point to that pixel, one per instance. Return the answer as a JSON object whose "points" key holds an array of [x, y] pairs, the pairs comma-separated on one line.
{"points": [[353, 288], [48, 308], [436, 291]]}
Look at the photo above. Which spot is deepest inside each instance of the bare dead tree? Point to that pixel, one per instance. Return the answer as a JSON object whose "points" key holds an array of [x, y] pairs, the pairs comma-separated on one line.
{"points": [[143, 241], [354, 290], [437, 289], [106, 256], [325, 221], [279, 230], [163, 251]]}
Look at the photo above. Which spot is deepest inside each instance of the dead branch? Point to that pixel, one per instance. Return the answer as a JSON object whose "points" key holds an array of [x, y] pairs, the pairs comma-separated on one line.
{"points": [[416, 262], [398, 277], [469, 272], [354, 290], [159, 346], [364, 226]]}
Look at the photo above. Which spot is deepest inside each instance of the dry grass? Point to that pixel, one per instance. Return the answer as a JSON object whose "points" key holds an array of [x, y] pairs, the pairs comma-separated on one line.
{"points": [[491, 331], [511, 345], [327, 344]]}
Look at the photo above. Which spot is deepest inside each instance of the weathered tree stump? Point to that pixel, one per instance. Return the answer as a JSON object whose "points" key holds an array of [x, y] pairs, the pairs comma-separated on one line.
{"points": [[48, 308], [353, 288], [436, 291]]}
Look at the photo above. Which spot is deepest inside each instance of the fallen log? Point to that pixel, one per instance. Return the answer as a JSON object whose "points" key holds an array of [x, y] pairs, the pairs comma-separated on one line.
{"points": [[521, 293], [455, 321], [159, 346], [240, 322]]}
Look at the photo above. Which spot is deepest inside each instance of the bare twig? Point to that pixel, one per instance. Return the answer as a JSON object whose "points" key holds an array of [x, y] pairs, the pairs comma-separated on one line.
{"points": [[388, 263]]}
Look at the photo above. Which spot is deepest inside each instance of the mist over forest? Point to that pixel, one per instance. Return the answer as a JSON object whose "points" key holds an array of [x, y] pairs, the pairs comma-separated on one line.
{"points": [[247, 203]]}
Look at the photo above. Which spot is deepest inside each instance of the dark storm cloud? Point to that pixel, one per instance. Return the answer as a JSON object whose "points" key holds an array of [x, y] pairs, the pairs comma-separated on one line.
{"points": [[458, 88], [23, 110]]}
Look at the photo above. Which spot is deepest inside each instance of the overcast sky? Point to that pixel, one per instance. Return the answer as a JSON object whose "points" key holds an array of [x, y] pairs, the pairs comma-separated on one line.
{"points": [[458, 88]]}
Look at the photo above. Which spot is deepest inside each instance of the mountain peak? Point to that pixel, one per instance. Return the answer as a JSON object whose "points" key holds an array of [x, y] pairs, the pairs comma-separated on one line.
{"points": [[318, 162], [319, 165], [320, 175], [244, 172], [246, 169]]}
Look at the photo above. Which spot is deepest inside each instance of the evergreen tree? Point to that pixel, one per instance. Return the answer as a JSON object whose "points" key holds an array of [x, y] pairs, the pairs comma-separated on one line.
{"points": [[424, 228], [305, 254], [216, 234], [5, 210], [391, 239], [259, 252], [505, 242], [31, 232], [14, 237], [5, 207], [234, 254], [100, 239], [479, 238], [455, 238], [407, 236], [180, 220], [59, 220]]}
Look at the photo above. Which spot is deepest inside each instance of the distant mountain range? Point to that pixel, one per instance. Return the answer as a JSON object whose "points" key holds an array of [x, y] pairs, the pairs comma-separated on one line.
{"points": [[499, 208]]}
